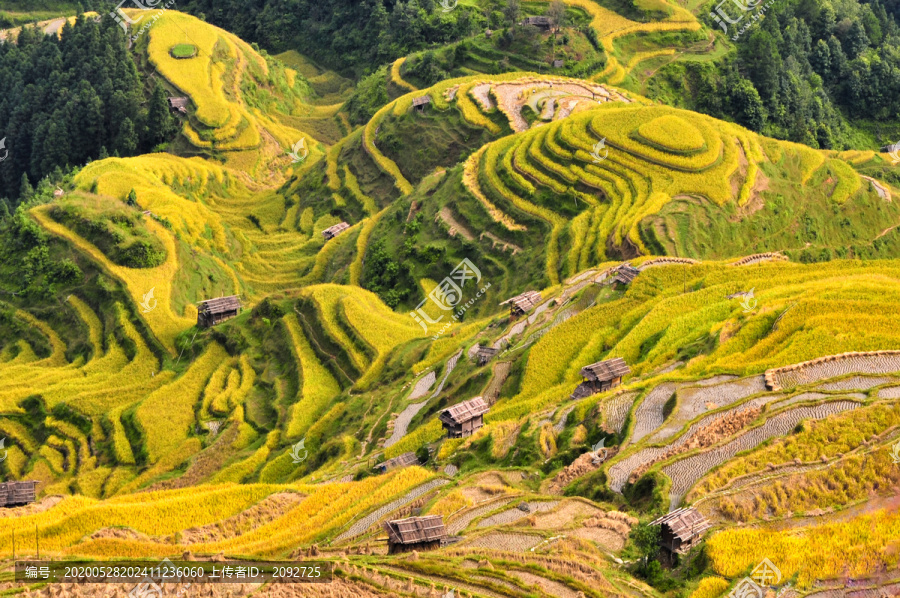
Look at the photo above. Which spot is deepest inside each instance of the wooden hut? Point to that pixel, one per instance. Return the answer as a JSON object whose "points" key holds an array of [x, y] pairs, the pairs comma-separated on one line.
{"points": [[485, 354], [625, 274], [419, 103], [14, 494], [213, 311], [558, 64], [334, 230], [601, 376], [682, 529], [415, 533], [464, 419], [404, 460], [542, 23], [522, 304], [178, 105]]}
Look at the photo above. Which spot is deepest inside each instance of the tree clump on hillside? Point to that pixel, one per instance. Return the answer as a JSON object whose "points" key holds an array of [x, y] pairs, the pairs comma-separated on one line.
{"points": [[72, 99], [805, 70]]}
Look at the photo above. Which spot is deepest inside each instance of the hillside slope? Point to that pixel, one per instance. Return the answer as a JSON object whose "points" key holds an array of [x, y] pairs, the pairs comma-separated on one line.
{"points": [[762, 379]]}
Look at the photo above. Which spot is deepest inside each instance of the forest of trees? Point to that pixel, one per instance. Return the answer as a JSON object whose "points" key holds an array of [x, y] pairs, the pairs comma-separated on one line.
{"points": [[352, 36], [73, 99], [805, 69]]}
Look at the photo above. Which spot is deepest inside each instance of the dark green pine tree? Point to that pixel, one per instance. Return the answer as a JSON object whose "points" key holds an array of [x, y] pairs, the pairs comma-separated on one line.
{"points": [[160, 122], [127, 139], [26, 191]]}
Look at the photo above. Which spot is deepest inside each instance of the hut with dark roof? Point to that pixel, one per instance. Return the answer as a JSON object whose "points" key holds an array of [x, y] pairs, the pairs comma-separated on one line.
{"points": [[625, 274], [178, 105], [404, 460], [213, 311], [522, 304], [334, 230], [464, 419], [16, 494], [415, 533], [542, 23], [601, 376], [420, 102], [682, 529], [485, 354]]}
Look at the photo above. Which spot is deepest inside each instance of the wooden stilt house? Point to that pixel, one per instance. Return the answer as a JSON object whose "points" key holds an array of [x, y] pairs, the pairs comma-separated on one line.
{"points": [[214, 311], [334, 230], [415, 533], [465, 418], [404, 460], [15, 494], [682, 529], [522, 304], [601, 376]]}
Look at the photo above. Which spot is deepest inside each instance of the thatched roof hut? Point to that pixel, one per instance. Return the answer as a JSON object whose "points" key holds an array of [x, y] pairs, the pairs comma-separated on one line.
{"points": [[404, 460], [213, 311], [178, 104], [415, 533], [601, 376], [682, 529], [334, 230], [522, 304], [14, 494], [464, 419]]}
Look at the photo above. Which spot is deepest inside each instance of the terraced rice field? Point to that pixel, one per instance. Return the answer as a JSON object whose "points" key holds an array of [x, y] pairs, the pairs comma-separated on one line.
{"points": [[856, 383], [515, 514], [360, 526], [892, 392], [401, 424], [686, 472], [422, 386], [649, 413], [617, 409], [692, 401], [850, 364], [458, 524], [620, 471], [509, 541]]}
